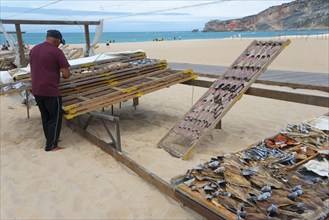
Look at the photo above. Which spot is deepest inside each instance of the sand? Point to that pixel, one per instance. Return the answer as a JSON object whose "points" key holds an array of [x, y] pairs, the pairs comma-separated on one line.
{"points": [[83, 182]]}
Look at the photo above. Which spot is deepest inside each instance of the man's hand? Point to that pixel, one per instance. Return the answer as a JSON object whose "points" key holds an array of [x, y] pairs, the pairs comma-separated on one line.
{"points": [[65, 73]]}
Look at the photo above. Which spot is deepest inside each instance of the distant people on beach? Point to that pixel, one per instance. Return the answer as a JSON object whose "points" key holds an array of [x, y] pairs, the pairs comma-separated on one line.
{"points": [[4, 47], [26, 48], [161, 38], [158, 39], [107, 43]]}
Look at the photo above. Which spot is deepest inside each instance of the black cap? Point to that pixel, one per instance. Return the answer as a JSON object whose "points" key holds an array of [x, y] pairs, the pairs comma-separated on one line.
{"points": [[56, 34]]}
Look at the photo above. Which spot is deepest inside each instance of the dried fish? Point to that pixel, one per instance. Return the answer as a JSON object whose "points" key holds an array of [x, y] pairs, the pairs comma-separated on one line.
{"points": [[239, 192], [245, 156], [252, 210], [279, 201], [272, 209], [264, 196], [233, 163], [266, 189], [317, 201], [249, 172], [255, 216], [213, 185], [289, 214], [320, 188], [262, 181], [299, 192], [220, 170], [208, 188], [262, 152], [236, 179], [227, 194], [293, 195], [229, 203], [198, 168], [295, 180], [220, 181], [200, 177], [190, 182], [223, 210], [208, 197], [308, 204], [298, 187], [216, 194], [310, 191], [213, 164], [242, 214]]}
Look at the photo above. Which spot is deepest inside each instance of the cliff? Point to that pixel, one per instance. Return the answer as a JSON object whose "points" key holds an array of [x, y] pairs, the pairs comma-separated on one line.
{"points": [[296, 15]]}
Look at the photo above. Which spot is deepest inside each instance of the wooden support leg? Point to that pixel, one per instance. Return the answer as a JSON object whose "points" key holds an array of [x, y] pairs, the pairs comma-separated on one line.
{"points": [[135, 102], [219, 125]]}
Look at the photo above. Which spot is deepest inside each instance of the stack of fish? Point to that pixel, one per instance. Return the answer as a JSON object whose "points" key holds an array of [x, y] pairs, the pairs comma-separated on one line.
{"points": [[259, 182]]}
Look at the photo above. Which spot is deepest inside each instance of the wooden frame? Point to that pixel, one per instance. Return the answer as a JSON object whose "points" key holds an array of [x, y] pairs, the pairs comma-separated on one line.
{"points": [[42, 22]]}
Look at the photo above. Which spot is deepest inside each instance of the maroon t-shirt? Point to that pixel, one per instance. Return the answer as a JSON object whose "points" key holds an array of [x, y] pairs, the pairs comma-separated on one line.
{"points": [[46, 60]]}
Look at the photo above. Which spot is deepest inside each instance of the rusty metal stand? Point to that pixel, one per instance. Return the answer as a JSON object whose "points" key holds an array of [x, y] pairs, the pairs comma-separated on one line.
{"points": [[116, 141]]}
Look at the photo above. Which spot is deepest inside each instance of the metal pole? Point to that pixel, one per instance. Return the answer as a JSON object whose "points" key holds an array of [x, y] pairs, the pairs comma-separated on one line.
{"points": [[117, 128]]}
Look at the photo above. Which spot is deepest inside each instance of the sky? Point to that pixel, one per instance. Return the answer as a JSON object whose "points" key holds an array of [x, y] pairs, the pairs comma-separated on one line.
{"points": [[130, 16]]}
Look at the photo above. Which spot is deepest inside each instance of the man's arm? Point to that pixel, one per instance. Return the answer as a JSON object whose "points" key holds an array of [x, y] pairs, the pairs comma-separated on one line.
{"points": [[65, 73]]}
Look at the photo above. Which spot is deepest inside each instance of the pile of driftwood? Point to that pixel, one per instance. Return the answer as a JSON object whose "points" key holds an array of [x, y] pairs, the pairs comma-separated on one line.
{"points": [[271, 179]]}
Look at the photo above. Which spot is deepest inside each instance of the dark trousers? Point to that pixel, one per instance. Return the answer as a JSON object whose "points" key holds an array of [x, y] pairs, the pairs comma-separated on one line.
{"points": [[51, 115]]}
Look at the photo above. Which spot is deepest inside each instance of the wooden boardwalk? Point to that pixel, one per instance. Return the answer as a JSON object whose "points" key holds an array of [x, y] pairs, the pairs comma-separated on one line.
{"points": [[315, 79]]}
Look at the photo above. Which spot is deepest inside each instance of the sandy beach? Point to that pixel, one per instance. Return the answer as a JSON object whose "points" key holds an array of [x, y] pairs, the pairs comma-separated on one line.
{"points": [[83, 182]]}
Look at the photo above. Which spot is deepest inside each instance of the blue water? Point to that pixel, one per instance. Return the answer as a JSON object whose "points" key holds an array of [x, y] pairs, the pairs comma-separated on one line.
{"points": [[119, 37]]}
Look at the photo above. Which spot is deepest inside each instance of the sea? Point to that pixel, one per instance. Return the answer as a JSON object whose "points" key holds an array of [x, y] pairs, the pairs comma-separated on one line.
{"points": [[124, 37]]}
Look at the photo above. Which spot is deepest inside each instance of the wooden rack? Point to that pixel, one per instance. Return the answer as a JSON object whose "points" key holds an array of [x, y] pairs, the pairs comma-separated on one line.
{"points": [[222, 95]]}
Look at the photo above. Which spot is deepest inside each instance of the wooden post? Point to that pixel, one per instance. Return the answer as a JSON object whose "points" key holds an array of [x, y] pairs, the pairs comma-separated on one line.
{"points": [[87, 40], [27, 103], [20, 45], [135, 102]]}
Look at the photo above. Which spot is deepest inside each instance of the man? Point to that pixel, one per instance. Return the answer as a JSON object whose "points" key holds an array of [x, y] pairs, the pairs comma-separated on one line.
{"points": [[47, 62]]}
